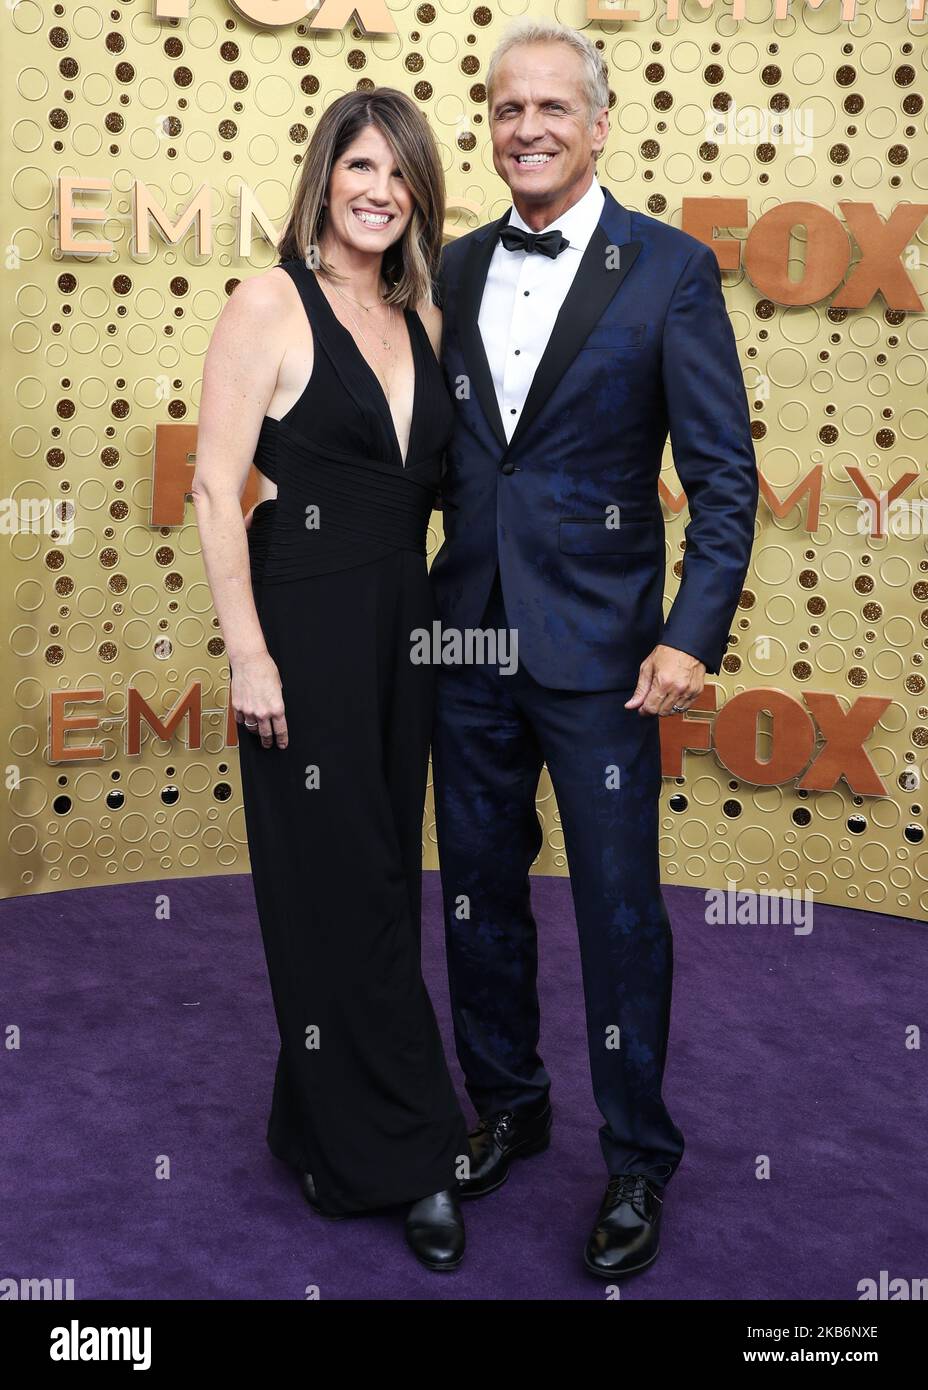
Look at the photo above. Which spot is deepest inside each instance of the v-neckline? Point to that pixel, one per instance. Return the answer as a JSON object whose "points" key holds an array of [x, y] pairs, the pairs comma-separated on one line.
{"points": [[376, 379]]}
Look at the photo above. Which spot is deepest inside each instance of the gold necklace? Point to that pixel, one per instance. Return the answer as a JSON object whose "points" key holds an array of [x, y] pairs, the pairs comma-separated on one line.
{"points": [[367, 309], [387, 345]]}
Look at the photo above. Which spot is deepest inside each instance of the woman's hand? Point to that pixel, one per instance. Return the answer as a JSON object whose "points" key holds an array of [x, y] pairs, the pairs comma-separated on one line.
{"points": [[257, 699]]}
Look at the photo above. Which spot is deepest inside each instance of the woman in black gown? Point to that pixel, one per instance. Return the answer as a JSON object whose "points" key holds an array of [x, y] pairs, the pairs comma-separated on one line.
{"points": [[334, 716]]}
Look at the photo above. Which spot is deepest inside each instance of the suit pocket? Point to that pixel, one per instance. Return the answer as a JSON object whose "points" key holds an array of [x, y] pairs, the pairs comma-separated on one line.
{"points": [[613, 336], [589, 535]]}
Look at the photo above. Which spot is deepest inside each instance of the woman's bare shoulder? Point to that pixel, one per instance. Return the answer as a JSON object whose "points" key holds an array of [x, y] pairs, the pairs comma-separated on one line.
{"points": [[265, 295], [257, 316], [252, 332]]}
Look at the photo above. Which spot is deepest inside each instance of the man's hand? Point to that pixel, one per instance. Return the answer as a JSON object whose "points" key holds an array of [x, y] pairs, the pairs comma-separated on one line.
{"points": [[666, 678]]}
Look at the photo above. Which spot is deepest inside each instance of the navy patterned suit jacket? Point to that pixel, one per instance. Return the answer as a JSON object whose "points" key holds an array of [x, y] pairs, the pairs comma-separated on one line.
{"points": [[642, 346]]}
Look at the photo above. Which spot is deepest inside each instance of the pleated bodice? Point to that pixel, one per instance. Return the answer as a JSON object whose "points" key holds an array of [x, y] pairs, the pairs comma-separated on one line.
{"points": [[345, 495]]}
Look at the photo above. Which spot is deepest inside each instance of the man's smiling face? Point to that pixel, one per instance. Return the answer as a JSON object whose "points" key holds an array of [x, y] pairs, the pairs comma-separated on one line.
{"points": [[543, 142]]}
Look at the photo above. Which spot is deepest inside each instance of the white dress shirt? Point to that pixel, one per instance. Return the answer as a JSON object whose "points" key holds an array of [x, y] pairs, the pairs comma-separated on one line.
{"points": [[523, 295]]}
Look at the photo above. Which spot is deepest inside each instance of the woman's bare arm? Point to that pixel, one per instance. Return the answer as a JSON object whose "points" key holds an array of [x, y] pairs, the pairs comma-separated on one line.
{"points": [[239, 378]]}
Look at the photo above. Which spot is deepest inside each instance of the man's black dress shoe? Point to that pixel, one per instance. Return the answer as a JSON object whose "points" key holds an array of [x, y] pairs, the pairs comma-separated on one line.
{"points": [[626, 1237], [498, 1139], [435, 1230]]}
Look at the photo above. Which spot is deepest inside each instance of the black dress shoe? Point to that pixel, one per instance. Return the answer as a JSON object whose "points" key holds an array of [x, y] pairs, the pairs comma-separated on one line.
{"points": [[435, 1230], [626, 1237], [498, 1139]]}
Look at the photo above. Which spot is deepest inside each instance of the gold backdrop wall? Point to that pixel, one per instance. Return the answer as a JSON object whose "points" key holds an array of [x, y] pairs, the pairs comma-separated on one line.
{"points": [[102, 349]]}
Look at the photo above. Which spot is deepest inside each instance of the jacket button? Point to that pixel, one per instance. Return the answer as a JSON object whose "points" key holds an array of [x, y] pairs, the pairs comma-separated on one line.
{"points": [[508, 468]]}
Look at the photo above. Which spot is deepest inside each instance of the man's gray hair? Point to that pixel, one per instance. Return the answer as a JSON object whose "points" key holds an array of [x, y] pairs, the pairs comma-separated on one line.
{"points": [[596, 74]]}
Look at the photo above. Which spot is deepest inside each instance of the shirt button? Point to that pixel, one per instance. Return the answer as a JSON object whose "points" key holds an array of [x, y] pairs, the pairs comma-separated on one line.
{"points": [[512, 411], [518, 350]]}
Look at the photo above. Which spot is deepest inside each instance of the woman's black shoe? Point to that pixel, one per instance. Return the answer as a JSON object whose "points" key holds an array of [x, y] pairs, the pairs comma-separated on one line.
{"points": [[308, 1188], [435, 1230]]}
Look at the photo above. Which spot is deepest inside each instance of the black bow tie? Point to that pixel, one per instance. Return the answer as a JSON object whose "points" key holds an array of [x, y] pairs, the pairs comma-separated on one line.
{"points": [[550, 243]]}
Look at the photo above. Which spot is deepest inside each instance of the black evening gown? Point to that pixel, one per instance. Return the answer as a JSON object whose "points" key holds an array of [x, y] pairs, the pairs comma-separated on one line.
{"points": [[362, 1095]]}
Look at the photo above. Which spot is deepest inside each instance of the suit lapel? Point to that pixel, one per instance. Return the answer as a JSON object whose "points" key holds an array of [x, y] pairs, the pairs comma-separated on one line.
{"points": [[590, 294]]}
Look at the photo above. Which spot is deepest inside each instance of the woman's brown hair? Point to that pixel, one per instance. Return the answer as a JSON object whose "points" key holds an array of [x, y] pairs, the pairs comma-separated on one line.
{"points": [[410, 265]]}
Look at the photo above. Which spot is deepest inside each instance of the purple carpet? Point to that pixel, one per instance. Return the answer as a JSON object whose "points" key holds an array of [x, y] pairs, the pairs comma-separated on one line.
{"points": [[148, 1046]]}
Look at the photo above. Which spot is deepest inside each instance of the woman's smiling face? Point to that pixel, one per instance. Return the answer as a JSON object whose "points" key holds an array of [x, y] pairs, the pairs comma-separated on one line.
{"points": [[368, 201]]}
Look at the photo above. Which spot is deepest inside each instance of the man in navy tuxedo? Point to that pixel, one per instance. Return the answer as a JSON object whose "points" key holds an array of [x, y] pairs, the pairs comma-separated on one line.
{"points": [[577, 333]]}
